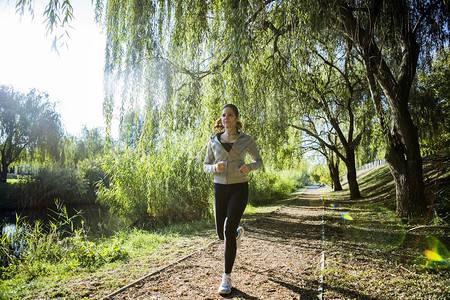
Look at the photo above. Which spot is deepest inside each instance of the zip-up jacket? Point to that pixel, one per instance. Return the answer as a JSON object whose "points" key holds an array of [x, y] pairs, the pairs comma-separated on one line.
{"points": [[234, 159]]}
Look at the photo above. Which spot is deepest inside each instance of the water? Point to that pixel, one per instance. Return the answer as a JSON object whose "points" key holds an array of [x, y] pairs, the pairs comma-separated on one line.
{"points": [[9, 230], [16, 245], [95, 219]]}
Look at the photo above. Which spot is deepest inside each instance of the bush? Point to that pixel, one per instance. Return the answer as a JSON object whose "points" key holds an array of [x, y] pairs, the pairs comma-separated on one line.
{"points": [[41, 190], [93, 176], [156, 187], [86, 254], [11, 176], [71, 186], [266, 186]]}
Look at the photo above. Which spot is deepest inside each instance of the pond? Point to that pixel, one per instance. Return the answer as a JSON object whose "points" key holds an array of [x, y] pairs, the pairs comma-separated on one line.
{"points": [[96, 219]]}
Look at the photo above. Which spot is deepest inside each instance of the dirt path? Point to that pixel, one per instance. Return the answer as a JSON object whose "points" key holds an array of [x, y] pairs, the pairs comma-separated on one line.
{"points": [[279, 259]]}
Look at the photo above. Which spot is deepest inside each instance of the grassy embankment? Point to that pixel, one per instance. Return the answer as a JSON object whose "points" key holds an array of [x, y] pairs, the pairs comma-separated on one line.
{"points": [[372, 254]]}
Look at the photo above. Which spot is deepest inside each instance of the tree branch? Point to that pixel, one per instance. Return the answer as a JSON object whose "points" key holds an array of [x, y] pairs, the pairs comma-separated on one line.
{"points": [[430, 226], [331, 147]]}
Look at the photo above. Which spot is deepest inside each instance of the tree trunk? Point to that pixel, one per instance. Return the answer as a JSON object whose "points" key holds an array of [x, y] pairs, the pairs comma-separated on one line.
{"points": [[4, 170], [351, 175], [334, 174], [410, 199], [405, 163], [403, 149]]}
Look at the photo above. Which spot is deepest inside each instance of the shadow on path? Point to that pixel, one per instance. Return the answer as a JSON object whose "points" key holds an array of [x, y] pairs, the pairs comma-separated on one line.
{"points": [[278, 259]]}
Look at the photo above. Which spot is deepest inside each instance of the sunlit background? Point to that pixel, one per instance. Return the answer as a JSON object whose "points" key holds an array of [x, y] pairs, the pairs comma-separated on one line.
{"points": [[73, 77]]}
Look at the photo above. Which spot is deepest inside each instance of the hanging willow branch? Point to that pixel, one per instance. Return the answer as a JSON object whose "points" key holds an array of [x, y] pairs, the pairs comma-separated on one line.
{"points": [[202, 74]]}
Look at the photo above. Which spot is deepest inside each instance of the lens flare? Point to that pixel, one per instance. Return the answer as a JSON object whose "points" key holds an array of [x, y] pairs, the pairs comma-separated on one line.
{"points": [[347, 217], [437, 254], [433, 256], [332, 205]]}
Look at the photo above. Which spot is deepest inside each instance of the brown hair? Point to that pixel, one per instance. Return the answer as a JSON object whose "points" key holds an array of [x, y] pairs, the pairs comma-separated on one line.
{"points": [[218, 126]]}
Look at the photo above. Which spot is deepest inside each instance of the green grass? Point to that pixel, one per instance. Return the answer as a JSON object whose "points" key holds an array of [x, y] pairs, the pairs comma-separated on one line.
{"points": [[371, 253], [146, 251]]}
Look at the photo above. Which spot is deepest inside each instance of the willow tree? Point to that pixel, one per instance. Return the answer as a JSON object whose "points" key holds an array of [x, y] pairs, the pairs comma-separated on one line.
{"points": [[431, 106], [188, 58], [391, 37], [335, 95], [28, 123]]}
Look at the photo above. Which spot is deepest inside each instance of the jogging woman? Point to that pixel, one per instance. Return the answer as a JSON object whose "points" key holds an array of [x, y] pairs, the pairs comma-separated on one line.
{"points": [[225, 158]]}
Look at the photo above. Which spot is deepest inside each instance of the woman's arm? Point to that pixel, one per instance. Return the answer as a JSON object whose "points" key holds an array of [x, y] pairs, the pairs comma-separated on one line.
{"points": [[209, 163], [254, 154]]}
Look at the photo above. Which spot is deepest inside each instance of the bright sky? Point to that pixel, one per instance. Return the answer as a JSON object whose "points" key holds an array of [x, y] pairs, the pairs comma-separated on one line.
{"points": [[74, 79]]}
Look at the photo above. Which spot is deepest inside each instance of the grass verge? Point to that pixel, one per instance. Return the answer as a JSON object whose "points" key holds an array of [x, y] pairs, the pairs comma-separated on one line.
{"points": [[372, 254]]}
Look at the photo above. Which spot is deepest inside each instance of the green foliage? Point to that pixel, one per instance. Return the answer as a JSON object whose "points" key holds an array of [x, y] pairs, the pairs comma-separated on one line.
{"points": [[89, 145], [41, 190], [156, 186], [28, 123], [430, 106], [75, 149], [69, 185], [266, 186], [319, 173], [29, 248], [85, 254], [93, 176], [58, 16]]}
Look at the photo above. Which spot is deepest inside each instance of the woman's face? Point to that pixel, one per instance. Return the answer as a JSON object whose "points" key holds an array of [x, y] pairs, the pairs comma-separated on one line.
{"points": [[229, 118]]}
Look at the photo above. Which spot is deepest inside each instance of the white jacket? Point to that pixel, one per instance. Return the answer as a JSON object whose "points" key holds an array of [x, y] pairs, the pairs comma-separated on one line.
{"points": [[234, 159]]}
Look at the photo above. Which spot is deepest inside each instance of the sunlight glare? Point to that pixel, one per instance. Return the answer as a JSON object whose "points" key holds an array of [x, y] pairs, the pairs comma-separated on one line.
{"points": [[73, 79], [347, 217], [433, 256]]}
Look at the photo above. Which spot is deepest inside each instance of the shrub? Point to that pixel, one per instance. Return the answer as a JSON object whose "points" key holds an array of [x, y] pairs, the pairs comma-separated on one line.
{"points": [[151, 187], [266, 186], [93, 176], [41, 190]]}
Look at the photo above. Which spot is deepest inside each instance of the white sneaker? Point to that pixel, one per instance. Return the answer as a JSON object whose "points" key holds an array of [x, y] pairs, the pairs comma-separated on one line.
{"points": [[240, 235], [225, 287]]}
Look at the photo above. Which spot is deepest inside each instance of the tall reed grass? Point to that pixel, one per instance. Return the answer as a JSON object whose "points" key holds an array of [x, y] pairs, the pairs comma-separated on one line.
{"points": [[157, 186], [30, 247]]}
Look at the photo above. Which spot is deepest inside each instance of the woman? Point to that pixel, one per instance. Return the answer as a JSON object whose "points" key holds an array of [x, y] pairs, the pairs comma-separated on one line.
{"points": [[225, 158]]}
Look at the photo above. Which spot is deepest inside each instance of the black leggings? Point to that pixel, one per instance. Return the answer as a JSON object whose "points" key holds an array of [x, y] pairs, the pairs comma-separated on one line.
{"points": [[230, 201]]}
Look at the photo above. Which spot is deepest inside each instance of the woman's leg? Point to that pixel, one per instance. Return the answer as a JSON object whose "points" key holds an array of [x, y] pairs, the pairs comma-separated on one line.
{"points": [[221, 198], [236, 206]]}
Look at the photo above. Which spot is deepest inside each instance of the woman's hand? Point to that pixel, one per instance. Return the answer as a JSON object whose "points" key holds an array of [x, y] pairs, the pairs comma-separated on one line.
{"points": [[220, 166], [245, 169]]}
